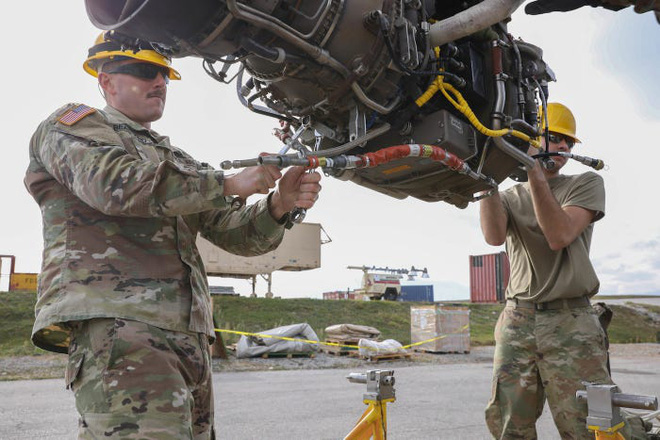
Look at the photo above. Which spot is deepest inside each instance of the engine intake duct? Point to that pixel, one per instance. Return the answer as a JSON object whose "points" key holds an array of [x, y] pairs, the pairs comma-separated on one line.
{"points": [[160, 21]]}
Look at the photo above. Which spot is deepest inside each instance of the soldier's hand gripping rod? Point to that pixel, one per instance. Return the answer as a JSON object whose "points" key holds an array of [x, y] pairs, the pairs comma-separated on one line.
{"points": [[297, 215]]}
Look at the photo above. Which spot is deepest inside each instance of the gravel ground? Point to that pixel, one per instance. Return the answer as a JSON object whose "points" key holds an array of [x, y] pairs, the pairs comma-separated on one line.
{"points": [[52, 366]]}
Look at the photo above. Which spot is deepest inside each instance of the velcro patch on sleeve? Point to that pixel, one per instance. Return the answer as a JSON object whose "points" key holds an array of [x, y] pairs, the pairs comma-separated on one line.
{"points": [[75, 114]]}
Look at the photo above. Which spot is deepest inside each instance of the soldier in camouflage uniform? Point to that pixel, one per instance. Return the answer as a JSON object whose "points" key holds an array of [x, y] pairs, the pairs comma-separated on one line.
{"points": [[548, 338], [123, 288]]}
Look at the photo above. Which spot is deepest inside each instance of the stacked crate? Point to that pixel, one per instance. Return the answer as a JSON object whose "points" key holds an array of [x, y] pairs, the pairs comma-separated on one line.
{"points": [[446, 328]]}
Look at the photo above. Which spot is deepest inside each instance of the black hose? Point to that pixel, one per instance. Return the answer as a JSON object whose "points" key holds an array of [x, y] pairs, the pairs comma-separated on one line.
{"points": [[384, 25], [276, 55], [522, 125], [255, 108]]}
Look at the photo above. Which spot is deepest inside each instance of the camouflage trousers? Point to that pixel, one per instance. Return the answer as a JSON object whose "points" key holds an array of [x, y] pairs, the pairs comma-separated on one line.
{"points": [[136, 381], [539, 355]]}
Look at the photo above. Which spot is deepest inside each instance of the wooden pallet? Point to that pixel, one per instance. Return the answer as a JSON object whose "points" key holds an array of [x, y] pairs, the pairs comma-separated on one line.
{"points": [[343, 342], [386, 357], [340, 351]]}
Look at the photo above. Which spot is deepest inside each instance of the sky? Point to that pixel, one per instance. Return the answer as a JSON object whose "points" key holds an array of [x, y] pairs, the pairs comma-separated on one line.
{"points": [[606, 65]]}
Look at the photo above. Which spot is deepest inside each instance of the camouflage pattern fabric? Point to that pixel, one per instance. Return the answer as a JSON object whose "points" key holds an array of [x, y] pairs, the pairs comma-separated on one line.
{"points": [[121, 211], [543, 355], [135, 381]]}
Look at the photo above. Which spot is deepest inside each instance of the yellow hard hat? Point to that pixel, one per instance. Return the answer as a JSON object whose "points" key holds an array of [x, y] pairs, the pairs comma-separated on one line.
{"points": [[560, 120], [107, 47]]}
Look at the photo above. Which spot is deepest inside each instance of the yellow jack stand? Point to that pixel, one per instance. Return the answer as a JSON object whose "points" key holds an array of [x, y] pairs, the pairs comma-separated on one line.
{"points": [[604, 403], [380, 391]]}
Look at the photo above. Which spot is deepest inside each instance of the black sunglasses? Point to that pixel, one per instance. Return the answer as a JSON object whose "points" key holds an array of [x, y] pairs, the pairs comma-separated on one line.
{"points": [[143, 70], [557, 138]]}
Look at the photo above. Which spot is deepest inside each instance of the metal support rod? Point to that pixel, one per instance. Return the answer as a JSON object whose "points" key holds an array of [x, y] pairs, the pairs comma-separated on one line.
{"points": [[500, 142], [330, 152], [634, 401], [357, 377], [478, 17]]}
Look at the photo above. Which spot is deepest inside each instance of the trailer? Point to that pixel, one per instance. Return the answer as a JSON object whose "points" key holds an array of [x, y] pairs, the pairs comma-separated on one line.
{"points": [[300, 250]]}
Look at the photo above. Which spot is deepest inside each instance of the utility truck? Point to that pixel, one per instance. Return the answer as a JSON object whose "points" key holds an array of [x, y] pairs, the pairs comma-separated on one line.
{"points": [[384, 282]]}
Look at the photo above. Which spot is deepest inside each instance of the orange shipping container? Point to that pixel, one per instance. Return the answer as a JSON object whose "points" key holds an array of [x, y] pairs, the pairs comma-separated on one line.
{"points": [[489, 276]]}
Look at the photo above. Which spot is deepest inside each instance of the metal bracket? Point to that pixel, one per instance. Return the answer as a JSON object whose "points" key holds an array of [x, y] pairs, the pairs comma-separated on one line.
{"points": [[357, 125]]}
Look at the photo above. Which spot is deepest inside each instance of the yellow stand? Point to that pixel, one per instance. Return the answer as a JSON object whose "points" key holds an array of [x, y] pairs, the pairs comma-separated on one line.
{"points": [[608, 433], [380, 391], [373, 422]]}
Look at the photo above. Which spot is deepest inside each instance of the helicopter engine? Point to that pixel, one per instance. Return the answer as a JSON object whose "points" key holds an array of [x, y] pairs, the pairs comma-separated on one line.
{"points": [[354, 77]]}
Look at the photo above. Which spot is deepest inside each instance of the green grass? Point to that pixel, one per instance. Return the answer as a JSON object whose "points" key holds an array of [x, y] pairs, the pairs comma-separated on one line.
{"points": [[259, 314], [483, 318], [16, 319], [629, 326]]}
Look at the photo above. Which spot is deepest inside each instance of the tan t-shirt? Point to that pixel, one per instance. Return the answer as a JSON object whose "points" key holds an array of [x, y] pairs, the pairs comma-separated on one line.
{"points": [[537, 272]]}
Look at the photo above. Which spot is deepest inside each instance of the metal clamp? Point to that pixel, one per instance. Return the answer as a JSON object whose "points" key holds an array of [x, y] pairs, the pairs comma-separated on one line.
{"points": [[604, 401], [380, 383], [297, 215]]}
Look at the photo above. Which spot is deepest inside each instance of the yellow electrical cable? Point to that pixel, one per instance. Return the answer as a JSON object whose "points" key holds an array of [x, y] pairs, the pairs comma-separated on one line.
{"points": [[462, 106]]}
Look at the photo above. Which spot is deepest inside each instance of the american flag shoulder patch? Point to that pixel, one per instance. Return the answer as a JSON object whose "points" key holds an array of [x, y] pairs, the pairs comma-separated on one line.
{"points": [[75, 114]]}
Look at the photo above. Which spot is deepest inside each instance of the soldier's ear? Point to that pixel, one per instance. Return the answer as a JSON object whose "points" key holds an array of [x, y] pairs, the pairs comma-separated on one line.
{"points": [[106, 84]]}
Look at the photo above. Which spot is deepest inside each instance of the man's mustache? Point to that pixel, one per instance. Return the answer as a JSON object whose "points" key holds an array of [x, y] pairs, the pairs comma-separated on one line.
{"points": [[156, 93]]}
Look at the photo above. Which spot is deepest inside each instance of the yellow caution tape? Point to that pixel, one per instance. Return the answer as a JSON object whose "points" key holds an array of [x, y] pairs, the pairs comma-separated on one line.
{"points": [[437, 338], [332, 344]]}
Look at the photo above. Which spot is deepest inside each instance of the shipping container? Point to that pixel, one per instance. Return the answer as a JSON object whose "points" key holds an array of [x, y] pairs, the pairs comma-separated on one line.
{"points": [[416, 293], [489, 276], [443, 329]]}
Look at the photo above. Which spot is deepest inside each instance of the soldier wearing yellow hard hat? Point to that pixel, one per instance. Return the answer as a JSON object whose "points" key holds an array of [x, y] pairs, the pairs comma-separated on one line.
{"points": [[110, 46], [122, 288], [548, 339]]}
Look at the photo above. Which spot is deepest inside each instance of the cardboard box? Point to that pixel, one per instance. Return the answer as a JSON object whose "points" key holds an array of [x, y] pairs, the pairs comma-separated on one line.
{"points": [[446, 328]]}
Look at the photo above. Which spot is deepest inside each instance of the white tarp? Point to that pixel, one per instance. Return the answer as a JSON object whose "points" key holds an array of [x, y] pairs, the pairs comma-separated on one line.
{"points": [[251, 346], [351, 332], [369, 348]]}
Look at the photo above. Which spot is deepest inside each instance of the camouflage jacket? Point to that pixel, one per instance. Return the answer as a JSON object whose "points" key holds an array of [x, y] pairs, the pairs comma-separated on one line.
{"points": [[121, 212]]}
